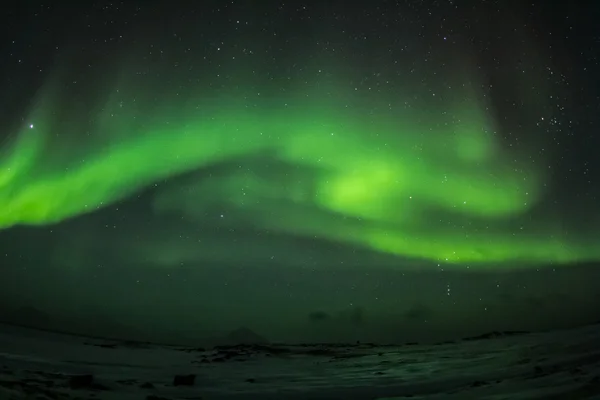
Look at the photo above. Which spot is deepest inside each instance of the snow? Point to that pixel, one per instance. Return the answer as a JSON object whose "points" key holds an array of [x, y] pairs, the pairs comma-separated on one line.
{"points": [[553, 365]]}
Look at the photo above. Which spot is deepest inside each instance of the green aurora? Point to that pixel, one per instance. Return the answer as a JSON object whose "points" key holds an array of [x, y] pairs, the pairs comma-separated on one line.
{"points": [[430, 182]]}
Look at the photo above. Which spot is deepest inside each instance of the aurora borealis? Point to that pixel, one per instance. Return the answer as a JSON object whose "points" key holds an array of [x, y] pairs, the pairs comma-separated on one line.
{"points": [[372, 181], [429, 167], [423, 174]]}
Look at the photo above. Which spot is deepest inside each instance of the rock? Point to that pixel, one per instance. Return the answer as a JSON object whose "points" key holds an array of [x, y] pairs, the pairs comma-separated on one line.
{"points": [[81, 381], [478, 384], [184, 380]]}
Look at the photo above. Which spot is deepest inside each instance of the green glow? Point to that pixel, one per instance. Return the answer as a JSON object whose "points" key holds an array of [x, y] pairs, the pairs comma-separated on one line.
{"points": [[420, 183]]}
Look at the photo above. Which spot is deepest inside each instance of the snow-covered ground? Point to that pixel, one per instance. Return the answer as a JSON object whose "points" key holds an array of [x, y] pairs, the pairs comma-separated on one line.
{"points": [[556, 365]]}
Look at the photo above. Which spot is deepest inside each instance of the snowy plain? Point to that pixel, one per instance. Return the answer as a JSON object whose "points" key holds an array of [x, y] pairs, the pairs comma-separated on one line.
{"points": [[552, 365]]}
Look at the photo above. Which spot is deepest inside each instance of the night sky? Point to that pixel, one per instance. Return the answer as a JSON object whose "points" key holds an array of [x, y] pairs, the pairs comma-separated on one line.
{"points": [[383, 170]]}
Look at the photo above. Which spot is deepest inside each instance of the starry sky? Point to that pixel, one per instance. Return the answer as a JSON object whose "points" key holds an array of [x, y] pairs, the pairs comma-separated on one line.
{"points": [[313, 171]]}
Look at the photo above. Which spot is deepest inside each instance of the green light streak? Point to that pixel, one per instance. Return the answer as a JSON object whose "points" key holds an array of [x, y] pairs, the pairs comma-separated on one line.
{"points": [[395, 182]]}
